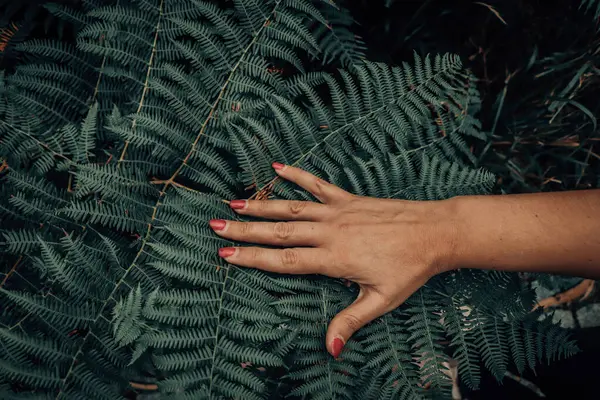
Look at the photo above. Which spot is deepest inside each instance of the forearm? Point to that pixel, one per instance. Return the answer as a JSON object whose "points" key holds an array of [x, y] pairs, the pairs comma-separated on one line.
{"points": [[548, 232]]}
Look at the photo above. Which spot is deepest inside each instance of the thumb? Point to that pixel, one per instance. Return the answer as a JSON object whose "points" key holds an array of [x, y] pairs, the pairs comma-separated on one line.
{"points": [[367, 306]]}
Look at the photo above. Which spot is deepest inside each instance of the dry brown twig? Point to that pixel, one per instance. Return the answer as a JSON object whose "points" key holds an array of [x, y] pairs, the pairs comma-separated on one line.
{"points": [[524, 382], [12, 270], [3, 166], [144, 386], [577, 293]]}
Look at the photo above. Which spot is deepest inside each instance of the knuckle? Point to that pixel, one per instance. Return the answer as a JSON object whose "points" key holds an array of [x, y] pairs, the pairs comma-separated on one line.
{"points": [[353, 202], [255, 253], [351, 197], [296, 207], [262, 205], [245, 228], [343, 227], [320, 182], [353, 322], [283, 230], [318, 185], [289, 257]]}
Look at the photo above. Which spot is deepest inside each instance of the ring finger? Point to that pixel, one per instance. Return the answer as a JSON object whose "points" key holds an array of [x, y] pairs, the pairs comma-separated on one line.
{"points": [[283, 261]]}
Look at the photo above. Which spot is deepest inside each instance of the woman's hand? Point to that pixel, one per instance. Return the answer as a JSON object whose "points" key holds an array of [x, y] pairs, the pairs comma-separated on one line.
{"points": [[388, 247], [392, 247]]}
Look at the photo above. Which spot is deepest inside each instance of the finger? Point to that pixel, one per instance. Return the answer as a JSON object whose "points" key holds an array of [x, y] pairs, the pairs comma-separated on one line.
{"points": [[281, 209], [277, 234], [368, 306], [324, 191], [285, 261]]}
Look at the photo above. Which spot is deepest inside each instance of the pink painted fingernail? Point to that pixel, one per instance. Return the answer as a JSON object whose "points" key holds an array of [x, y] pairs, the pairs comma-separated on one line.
{"points": [[217, 224], [336, 347], [237, 204], [278, 166], [226, 252]]}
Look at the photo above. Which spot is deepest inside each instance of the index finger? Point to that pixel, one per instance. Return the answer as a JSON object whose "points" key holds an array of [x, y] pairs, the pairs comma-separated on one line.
{"points": [[324, 191], [281, 209]]}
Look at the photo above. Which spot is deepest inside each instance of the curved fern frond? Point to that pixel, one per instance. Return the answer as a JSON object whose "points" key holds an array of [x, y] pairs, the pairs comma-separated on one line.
{"points": [[398, 110], [336, 39]]}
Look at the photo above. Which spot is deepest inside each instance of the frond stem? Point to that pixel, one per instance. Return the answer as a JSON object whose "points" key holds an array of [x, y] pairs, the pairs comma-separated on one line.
{"points": [[147, 81]]}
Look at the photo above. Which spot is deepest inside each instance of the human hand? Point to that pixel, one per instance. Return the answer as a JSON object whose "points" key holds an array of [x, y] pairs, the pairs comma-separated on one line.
{"points": [[390, 248]]}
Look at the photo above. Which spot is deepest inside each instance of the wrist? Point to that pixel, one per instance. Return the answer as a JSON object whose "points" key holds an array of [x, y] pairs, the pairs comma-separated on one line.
{"points": [[480, 225], [449, 228], [460, 231]]}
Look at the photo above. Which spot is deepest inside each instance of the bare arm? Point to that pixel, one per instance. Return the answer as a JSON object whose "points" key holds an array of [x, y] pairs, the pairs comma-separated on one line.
{"points": [[391, 248], [542, 232]]}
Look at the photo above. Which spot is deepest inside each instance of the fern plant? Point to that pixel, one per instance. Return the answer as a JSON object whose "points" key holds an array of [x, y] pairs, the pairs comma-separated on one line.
{"points": [[112, 282]]}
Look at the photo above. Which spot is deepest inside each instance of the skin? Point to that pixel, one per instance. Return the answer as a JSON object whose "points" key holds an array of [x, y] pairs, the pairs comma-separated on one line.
{"points": [[391, 248]]}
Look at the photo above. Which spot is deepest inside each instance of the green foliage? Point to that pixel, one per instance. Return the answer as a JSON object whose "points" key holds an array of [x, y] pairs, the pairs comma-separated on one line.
{"points": [[119, 149], [591, 6]]}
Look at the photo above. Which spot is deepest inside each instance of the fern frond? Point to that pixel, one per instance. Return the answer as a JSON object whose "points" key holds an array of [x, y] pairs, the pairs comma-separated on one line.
{"points": [[461, 326], [318, 374], [336, 39], [591, 5], [391, 372], [425, 335], [392, 115]]}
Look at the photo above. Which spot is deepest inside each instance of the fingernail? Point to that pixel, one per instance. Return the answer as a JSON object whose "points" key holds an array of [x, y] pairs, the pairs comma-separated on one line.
{"points": [[237, 204], [226, 252], [278, 166], [217, 224], [336, 347]]}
